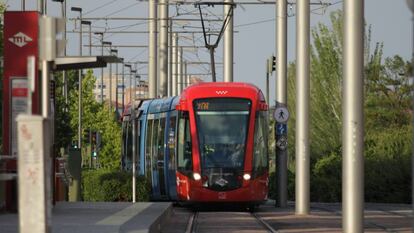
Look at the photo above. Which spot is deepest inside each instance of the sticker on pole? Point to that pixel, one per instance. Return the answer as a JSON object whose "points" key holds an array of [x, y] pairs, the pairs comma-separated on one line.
{"points": [[281, 114], [282, 143]]}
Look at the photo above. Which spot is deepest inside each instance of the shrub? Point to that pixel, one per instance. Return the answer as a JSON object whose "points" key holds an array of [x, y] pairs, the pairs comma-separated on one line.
{"points": [[326, 179], [109, 185], [291, 186]]}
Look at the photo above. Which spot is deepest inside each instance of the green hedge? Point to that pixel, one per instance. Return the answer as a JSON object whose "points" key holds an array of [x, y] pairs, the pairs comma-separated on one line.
{"points": [[109, 186], [387, 170]]}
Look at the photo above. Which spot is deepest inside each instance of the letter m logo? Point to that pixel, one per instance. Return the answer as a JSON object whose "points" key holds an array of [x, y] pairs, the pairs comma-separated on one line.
{"points": [[20, 39]]}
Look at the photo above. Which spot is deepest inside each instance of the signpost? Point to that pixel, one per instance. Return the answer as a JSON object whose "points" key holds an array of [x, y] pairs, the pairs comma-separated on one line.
{"points": [[21, 32]]}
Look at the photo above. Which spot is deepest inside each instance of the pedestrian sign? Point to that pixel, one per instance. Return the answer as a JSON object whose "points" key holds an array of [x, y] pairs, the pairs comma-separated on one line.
{"points": [[281, 114], [281, 129]]}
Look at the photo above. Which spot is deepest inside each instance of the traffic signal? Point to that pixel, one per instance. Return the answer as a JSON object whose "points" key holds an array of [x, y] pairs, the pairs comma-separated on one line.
{"points": [[273, 58], [95, 143], [271, 64], [74, 144]]}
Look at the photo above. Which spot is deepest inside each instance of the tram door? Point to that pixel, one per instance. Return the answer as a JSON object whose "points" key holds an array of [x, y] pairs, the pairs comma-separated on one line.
{"points": [[157, 156]]}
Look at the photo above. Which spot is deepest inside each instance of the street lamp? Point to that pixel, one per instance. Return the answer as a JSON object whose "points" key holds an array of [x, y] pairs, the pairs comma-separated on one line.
{"points": [[89, 23], [115, 53], [78, 9], [101, 34], [109, 44], [65, 82]]}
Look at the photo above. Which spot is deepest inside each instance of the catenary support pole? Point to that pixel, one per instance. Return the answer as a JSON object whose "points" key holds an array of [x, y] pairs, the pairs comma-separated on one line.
{"points": [[123, 87], [80, 86], [281, 98], [186, 76], [228, 44], [411, 6], [102, 70], [353, 118], [65, 79], [302, 108], [116, 89], [163, 91], [175, 64], [180, 71], [152, 59], [170, 55]]}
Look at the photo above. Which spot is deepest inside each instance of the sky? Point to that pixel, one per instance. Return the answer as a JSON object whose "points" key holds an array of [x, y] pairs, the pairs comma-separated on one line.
{"points": [[254, 40]]}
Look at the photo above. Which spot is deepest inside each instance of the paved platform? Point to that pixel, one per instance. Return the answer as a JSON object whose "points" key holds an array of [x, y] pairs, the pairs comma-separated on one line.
{"points": [[328, 218], [99, 217]]}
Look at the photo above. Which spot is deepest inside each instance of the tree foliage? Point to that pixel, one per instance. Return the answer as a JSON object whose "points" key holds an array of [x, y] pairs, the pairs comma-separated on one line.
{"points": [[95, 117], [387, 118]]}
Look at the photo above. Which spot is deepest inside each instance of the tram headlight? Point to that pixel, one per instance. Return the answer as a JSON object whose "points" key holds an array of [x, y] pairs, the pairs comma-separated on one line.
{"points": [[196, 176], [246, 176]]}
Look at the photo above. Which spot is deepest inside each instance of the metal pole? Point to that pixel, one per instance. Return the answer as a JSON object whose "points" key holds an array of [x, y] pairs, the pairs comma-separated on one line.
{"points": [[412, 79], [186, 77], [163, 91], [170, 59], [281, 97], [65, 79], [123, 87], [267, 87], [228, 45], [353, 118], [102, 70], [116, 89], [110, 83], [174, 69], [80, 87], [410, 4], [180, 71], [302, 108], [133, 153], [23, 5], [45, 89], [213, 64], [152, 59], [90, 39]]}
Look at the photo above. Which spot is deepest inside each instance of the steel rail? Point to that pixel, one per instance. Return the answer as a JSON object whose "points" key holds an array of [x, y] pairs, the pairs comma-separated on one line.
{"points": [[266, 225], [192, 223]]}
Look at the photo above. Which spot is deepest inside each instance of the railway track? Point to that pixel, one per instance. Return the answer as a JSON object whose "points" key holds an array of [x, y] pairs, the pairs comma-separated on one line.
{"points": [[200, 222]]}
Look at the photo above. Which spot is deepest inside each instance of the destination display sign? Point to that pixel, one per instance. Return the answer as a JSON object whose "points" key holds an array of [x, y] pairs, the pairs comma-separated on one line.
{"points": [[222, 104]]}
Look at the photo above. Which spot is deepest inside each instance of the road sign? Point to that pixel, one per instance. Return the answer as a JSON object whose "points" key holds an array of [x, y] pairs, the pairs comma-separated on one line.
{"points": [[281, 129], [282, 143], [281, 114]]}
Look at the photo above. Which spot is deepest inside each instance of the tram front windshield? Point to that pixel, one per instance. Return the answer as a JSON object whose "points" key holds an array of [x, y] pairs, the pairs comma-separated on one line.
{"points": [[222, 125]]}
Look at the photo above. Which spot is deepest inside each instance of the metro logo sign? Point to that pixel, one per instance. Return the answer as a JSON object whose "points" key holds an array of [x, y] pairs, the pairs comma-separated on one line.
{"points": [[20, 39]]}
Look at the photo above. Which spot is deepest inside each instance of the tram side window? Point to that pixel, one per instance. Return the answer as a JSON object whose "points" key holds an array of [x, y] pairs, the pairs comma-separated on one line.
{"points": [[171, 142], [185, 161], [260, 156], [154, 143], [148, 148], [129, 145], [161, 138]]}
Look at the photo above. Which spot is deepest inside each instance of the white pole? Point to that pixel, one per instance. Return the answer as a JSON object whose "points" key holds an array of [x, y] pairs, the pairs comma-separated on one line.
{"points": [[152, 59], [163, 91], [228, 44], [302, 107], [175, 64], [353, 118]]}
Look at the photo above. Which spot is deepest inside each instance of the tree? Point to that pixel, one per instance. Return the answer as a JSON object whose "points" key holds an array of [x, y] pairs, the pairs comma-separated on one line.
{"points": [[387, 118], [95, 117]]}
